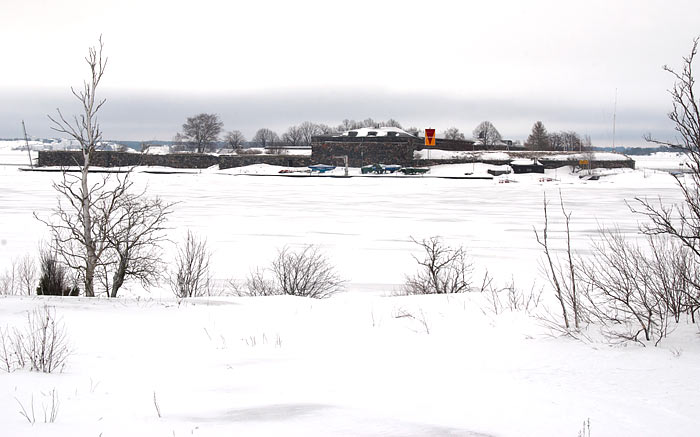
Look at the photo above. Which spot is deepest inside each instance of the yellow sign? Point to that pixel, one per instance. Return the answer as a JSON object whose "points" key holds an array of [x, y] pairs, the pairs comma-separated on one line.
{"points": [[430, 137], [583, 162]]}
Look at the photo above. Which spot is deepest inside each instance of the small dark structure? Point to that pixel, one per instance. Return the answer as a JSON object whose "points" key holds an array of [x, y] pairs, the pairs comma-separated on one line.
{"points": [[520, 168], [498, 172]]}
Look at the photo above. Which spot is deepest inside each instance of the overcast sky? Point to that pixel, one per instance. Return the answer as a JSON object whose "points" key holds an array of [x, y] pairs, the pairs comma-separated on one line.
{"points": [[276, 63]]}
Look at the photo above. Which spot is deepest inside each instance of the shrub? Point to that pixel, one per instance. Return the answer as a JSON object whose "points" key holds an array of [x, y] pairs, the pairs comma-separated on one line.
{"points": [[442, 270], [258, 285], [306, 273], [54, 280], [192, 277], [41, 346]]}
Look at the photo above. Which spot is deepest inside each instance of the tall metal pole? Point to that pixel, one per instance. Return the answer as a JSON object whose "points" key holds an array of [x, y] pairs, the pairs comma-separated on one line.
{"points": [[614, 117], [26, 142]]}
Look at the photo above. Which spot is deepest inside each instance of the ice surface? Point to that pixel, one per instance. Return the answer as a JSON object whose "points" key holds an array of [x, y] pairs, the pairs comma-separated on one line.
{"points": [[353, 364]]}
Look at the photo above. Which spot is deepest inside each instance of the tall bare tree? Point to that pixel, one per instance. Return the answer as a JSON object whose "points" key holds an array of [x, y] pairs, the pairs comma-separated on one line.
{"points": [[308, 130], [86, 131], [486, 134], [293, 136], [681, 221], [265, 137], [99, 226]]}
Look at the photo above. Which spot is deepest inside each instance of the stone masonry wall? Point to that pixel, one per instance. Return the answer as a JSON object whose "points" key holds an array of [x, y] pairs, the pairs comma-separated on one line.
{"points": [[56, 158], [124, 159], [361, 153]]}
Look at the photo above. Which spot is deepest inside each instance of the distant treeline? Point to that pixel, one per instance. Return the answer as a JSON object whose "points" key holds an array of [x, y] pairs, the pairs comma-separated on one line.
{"points": [[636, 150]]}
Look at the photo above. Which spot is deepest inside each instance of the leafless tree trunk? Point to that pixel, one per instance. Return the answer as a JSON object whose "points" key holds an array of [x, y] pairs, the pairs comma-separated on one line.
{"points": [[86, 249], [556, 277], [86, 130]]}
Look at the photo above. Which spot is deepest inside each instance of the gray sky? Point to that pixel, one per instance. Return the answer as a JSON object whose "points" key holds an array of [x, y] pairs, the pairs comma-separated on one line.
{"points": [[276, 63]]}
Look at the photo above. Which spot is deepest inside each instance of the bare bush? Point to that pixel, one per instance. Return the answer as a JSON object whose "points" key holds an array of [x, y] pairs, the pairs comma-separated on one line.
{"points": [[9, 280], [192, 277], [442, 270], [635, 292], [10, 351], [258, 285], [42, 345], [49, 406], [510, 297], [306, 273]]}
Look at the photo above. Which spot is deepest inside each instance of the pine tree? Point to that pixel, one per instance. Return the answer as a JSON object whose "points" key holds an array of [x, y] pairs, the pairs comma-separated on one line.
{"points": [[538, 139]]}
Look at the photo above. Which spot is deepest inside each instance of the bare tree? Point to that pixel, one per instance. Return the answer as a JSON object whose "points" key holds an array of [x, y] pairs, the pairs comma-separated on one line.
{"points": [[265, 137], [347, 125], [28, 274], [235, 139], [442, 270], [308, 130], [293, 136], [369, 122], [681, 221], [324, 129], [413, 131], [486, 134], [391, 123], [85, 248], [100, 226], [201, 132], [86, 131], [192, 276], [453, 134], [556, 141], [135, 237]]}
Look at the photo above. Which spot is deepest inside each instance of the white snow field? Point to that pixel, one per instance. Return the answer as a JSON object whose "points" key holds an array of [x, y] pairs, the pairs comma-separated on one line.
{"points": [[366, 361]]}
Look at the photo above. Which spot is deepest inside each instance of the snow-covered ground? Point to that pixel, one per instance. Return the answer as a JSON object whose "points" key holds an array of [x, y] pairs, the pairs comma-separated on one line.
{"points": [[356, 363]]}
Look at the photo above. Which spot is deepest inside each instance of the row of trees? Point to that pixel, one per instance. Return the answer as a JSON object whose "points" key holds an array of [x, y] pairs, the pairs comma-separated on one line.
{"points": [[202, 133], [540, 139]]}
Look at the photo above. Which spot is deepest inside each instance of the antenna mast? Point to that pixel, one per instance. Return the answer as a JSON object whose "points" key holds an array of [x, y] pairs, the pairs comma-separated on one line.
{"points": [[614, 117], [26, 141]]}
